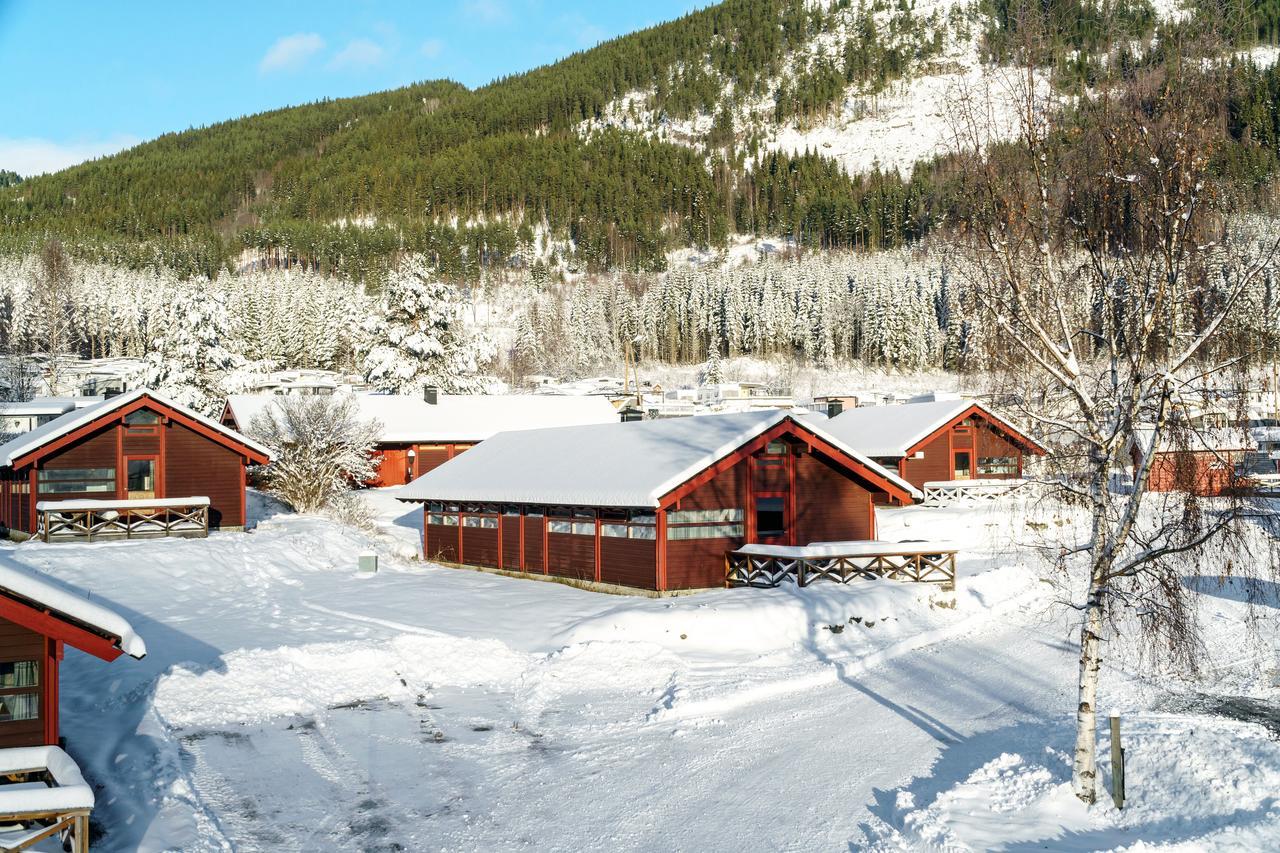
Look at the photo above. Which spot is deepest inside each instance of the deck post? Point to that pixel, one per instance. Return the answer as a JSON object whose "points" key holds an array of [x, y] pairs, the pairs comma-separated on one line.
{"points": [[81, 833]]}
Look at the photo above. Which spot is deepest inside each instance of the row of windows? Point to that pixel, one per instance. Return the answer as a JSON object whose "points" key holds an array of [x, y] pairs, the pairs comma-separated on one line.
{"points": [[58, 481], [994, 466], [616, 524]]}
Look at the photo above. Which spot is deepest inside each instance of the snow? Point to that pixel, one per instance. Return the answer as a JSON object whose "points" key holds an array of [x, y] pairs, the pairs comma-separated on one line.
{"points": [[612, 465], [408, 419], [58, 427], [291, 703], [819, 550], [66, 601], [71, 792], [156, 503]]}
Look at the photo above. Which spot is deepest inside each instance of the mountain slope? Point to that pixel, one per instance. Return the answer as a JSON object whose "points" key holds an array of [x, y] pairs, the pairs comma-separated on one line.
{"points": [[752, 116]]}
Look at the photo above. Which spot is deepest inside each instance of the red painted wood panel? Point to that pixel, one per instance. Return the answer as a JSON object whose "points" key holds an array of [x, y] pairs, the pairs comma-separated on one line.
{"points": [[480, 546], [630, 562], [197, 465], [571, 555], [510, 532], [830, 507], [534, 530], [19, 643], [442, 543], [936, 464], [697, 563]]}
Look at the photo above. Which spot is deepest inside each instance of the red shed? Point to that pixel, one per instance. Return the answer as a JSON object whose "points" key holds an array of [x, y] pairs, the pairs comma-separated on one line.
{"points": [[135, 446], [938, 440], [1205, 466], [652, 504], [37, 619]]}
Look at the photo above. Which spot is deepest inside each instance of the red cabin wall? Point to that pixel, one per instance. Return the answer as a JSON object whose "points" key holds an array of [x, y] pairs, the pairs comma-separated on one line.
{"points": [[535, 528], [1202, 473], [629, 562], [830, 507], [981, 440], [19, 643], [194, 464], [935, 464], [571, 555]]}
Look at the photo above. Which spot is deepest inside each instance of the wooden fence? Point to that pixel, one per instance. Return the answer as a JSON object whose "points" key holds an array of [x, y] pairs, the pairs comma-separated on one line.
{"points": [[90, 520], [971, 492], [766, 571]]}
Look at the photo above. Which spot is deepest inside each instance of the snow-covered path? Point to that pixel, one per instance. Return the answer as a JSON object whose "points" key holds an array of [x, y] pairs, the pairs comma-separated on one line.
{"points": [[290, 703]]}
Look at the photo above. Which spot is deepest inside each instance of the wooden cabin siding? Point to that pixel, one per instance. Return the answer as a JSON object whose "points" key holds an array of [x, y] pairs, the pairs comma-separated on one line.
{"points": [[571, 555], [936, 464], [480, 546], [534, 529], [509, 534], [393, 466], [991, 443], [197, 465], [1199, 472], [98, 450], [727, 490], [629, 562], [441, 542], [698, 563], [20, 644], [830, 506]]}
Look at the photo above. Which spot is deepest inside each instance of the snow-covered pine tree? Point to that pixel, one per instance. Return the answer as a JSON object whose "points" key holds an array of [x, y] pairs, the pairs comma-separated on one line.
{"points": [[190, 360], [420, 338]]}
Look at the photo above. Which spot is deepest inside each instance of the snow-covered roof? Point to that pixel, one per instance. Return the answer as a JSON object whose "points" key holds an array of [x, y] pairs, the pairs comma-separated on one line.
{"points": [[407, 419], [617, 464], [41, 435], [69, 603], [1198, 440], [38, 406], [890, 431]]}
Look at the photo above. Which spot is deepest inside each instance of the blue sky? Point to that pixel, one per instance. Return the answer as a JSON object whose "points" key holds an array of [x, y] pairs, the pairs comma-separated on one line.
{"points": [[80, 79]]}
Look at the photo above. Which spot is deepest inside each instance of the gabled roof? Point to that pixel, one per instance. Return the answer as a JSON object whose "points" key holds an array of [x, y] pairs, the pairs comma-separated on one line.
{"points": [[614, 465], [60, 611], [30, 442], [407, 419], [893, 431]]}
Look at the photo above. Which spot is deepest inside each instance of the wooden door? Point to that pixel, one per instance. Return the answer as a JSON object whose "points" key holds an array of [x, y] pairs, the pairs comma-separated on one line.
{"points": [[141, 477]]}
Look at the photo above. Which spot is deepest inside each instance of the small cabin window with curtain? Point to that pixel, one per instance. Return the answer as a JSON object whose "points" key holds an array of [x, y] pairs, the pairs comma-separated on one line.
{"points": [[18, 701], [705, 524], [623, 524], [75, 481]]}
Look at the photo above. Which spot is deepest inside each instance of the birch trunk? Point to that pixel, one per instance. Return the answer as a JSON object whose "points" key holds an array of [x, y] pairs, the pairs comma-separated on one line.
{"points": [[1085, 767]]}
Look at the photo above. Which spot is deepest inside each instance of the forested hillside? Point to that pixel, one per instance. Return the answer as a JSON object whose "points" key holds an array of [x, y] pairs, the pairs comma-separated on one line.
{"points": [[612, 157]]}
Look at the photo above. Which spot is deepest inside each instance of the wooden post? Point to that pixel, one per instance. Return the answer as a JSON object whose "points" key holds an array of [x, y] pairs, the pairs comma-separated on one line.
{"points": [[81, 841], [1117, 763], [800, 572]]}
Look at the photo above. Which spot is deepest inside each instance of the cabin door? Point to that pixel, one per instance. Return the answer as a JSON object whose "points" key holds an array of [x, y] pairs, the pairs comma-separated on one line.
{"points": [[962, 465], [772, 524], [141, 473]]}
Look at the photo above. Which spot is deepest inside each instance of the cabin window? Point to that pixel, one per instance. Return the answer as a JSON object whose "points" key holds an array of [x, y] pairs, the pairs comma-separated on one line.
{"points": [[19, 673], [771, 516], [56, 481], [703, 516], [997, 466], [584, 522], [511, 509], [487, 522], [142, 422], [629, 525], [705, 531], [704, 524], [17, 701], [776, 448]]}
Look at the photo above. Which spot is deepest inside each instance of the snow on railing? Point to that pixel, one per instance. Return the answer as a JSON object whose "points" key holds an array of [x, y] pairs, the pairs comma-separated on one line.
{"points": [[45, 796], [128, 519]]}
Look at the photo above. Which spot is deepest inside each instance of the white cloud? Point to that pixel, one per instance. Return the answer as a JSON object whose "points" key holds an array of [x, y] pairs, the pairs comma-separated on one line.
{"points": [[290, 52], [33, 156], [486, 11], [431, 48], [359, 53]]}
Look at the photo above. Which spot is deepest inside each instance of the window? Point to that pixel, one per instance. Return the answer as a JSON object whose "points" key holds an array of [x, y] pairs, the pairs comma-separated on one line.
{"points": [[771, 517], [488, 522], [703, 516], [19, 673], [141, 417], [635, 524], [705, 531], [511, 509], [776, 448], [141, 478], [14, 677], [556, 526], [997, 466], [61, 481], [963, 465]]}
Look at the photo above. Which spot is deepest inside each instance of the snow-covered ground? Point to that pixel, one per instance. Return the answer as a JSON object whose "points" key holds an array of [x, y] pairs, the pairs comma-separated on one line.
{"points": [[290, 703]]}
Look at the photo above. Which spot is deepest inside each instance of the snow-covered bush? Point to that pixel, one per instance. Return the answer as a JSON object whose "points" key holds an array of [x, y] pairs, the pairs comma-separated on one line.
{"points": [[418, 337], [321, 448]]}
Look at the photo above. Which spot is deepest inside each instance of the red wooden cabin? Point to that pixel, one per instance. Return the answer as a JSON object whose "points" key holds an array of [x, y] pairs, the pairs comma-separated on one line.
{"points": [[418, 434], [135, 446], [38, 619], [939, 440], [1206, 466], [653, 504]]}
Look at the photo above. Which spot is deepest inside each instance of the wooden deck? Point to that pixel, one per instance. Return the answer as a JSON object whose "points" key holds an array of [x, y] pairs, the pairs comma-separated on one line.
{"points": [[765, 571], [137, 519]]}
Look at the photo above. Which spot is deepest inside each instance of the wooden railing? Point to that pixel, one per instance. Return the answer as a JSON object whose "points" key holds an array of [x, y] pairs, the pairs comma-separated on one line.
{"points": [[136, 519], [768, 571], [971, 491]]}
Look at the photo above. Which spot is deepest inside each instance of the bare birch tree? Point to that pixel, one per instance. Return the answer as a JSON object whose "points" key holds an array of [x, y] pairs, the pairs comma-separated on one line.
{"points": [[1102, 251]]}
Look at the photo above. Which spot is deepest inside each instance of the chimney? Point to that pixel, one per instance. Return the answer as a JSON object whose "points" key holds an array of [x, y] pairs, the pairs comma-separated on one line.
{"points": [[431, 394]]}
